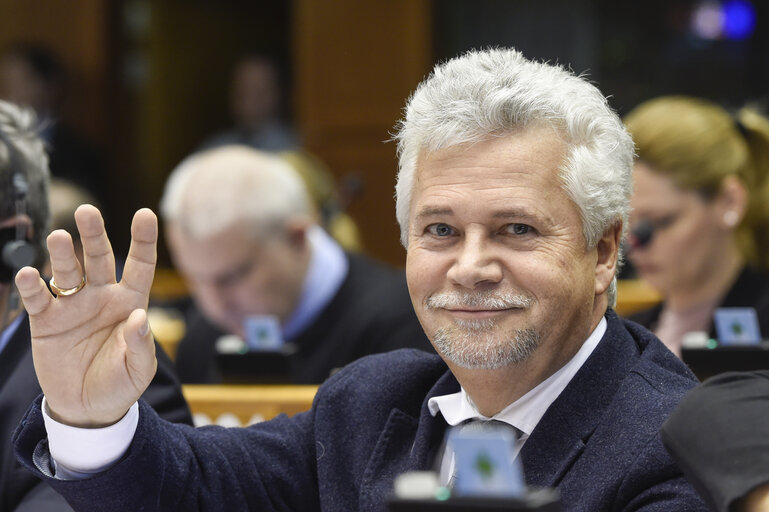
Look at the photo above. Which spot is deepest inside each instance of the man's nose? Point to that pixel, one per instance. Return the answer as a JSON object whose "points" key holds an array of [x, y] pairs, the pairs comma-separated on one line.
{"points": [[476, 263]]}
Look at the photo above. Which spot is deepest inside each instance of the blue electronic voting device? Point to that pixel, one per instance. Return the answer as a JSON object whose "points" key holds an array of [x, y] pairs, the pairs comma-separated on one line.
{"points": [[263, 333], [737, 326], [484, 463]]}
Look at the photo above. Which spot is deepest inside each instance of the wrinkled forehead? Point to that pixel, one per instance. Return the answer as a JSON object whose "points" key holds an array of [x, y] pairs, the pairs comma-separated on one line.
{"points": [[553, 132], [537, 150]]}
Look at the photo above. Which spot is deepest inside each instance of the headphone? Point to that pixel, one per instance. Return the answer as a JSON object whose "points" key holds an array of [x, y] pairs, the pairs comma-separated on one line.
{"points": [[641, 235], [15, 250]]}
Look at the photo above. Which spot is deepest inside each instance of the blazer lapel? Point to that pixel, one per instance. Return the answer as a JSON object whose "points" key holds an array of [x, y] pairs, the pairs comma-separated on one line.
{"points": [[406, 443], [561, 435], [553, 447]]}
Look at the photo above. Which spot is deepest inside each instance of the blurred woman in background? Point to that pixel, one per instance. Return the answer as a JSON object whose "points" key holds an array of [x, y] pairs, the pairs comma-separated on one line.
{"points": [[699, 228]]}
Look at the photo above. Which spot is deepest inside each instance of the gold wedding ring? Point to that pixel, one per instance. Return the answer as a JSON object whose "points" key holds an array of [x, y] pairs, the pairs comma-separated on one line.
{"points": [[63, 292]]}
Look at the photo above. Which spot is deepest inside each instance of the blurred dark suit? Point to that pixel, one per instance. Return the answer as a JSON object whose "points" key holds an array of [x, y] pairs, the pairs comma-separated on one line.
{"points": [[370, 313], [20, 491]]}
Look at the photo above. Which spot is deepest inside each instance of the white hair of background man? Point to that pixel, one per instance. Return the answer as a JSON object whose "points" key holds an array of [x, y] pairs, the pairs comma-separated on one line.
{"points": [[214, 189], [495, 92], [20, 125]]}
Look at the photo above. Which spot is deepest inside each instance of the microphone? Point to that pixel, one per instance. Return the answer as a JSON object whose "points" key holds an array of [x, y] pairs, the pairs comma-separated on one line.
{"points": [[17, 251], [18, 254], [641, 235]]}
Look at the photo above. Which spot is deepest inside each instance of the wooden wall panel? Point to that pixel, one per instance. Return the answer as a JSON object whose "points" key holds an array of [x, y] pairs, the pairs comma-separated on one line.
{"points": [[355, 63], [78, 33]]}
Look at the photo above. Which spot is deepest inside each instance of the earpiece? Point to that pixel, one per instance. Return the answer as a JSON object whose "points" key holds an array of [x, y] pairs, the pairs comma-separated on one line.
{"points": [[16, 250], [641, 235], [731, 218]]}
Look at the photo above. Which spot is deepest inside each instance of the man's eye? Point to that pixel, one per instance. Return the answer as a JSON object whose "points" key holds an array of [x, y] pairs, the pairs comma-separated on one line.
{"points": [[519, 229], [441, 230]]}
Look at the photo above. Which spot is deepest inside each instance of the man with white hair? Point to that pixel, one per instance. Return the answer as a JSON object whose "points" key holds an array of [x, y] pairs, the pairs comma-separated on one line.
{"points": [[243, 232], [512, 198]]}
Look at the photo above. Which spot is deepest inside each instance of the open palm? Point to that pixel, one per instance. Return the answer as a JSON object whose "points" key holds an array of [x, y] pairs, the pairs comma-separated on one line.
{"points": [[93, 351]]}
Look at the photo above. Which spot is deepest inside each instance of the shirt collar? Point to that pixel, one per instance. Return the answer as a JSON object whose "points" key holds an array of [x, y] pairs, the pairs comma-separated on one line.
{"points": [[326, 272], [524, 413]]}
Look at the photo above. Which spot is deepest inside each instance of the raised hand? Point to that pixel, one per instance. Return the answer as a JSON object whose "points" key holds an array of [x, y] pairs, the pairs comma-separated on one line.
{"points": [[93, 350]]}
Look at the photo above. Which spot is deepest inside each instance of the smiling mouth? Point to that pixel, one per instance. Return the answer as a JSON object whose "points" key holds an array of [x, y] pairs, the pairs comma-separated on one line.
{"points": [[479, 313]]}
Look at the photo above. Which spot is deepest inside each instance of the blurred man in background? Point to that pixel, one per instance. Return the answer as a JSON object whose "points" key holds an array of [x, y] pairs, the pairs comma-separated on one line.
{"points": [[244, 233]]}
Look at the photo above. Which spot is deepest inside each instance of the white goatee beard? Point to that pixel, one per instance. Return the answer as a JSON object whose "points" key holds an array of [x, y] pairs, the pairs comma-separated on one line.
{"points": [[473, 344]]}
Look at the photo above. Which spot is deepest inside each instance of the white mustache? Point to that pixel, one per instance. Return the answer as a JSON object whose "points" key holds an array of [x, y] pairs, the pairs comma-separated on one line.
{"points": [[488, 301]]}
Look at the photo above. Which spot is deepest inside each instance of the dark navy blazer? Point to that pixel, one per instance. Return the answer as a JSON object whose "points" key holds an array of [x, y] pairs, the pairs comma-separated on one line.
{"points": [[598, 442]]}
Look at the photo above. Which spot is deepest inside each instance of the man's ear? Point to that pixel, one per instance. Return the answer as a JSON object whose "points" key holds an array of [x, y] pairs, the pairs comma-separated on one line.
{"points": [[607, 255], [296, 232]]}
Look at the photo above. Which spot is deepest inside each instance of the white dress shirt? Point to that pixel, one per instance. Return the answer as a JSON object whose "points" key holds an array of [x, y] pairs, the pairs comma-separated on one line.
{"points": [[78, 452]]}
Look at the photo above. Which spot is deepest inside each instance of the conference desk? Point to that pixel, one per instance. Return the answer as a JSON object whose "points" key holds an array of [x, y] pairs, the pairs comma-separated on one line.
{"points": [[634, 295], [241, 405], [706, 362]]}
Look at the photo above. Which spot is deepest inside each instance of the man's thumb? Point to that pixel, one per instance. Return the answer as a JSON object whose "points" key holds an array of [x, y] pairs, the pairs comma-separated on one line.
{"points": [[140, 348]]}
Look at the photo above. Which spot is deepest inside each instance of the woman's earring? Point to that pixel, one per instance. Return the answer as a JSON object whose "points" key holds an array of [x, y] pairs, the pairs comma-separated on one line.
{"points": [[731, 218]]}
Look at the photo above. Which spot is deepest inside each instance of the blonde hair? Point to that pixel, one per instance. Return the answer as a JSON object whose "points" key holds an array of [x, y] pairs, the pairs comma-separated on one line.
{"points": [[697, 144]]}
